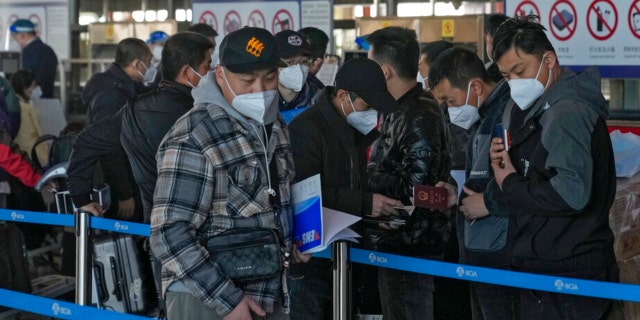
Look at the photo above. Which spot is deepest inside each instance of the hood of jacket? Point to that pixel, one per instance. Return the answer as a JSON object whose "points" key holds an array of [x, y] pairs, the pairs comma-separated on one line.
{"points": [[583, 87], [208, 93]]}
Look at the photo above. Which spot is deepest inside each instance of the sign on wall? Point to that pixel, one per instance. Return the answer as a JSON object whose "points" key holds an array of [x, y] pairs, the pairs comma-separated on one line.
{"points": [[274, 15], [584, 33], [50, 16]]}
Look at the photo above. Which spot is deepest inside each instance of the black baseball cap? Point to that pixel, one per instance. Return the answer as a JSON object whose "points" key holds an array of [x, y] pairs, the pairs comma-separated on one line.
{"points": [[364, 77], [249, 49], [291, 44]]}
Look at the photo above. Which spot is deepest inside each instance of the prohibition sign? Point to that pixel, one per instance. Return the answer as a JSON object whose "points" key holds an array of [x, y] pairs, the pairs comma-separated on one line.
{"points": [[607, 27], [208, 18], [634, 18], [282, 20], [520, 9], [560, 21], [232, 22], [256, 19]]}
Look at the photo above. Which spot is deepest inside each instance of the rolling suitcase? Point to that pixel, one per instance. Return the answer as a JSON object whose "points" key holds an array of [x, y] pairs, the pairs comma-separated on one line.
{"points": [[121, 280], [14, 269]]}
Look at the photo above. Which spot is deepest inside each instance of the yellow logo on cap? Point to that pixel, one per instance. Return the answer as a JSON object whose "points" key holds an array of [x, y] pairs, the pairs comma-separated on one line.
{"points": [[255, 47]]}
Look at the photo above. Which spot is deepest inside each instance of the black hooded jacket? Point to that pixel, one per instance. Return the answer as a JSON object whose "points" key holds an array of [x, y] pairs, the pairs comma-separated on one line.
{"points": [[139, 127]]}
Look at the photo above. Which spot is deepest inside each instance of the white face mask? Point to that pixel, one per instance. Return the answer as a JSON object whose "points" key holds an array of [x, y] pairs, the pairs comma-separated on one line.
{"points": [[157, 53], [36, 93], [150, 73], [422, 80], [260, 106], [525, 91], [294, 77], [465, 115], [199, 82], [363, 121]]}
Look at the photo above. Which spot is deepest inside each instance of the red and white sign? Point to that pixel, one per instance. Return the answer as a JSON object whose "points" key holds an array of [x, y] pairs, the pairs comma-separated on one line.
{"points": [[563, 20], [634, 18], [527, 8], [602, 19], [282, 20], [232, 22], [256, 19], [208, 18]]}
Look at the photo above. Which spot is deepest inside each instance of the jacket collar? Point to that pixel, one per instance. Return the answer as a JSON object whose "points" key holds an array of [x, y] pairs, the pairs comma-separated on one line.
{"points": [[409, 96], [119, 74], [500, 90]]}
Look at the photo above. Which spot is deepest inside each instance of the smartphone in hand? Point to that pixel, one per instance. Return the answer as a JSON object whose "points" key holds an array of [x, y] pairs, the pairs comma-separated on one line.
{"points": [[500, 132]]}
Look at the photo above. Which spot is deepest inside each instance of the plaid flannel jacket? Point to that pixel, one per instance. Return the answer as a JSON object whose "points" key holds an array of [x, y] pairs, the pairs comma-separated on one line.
{"points": [[211, 171]]}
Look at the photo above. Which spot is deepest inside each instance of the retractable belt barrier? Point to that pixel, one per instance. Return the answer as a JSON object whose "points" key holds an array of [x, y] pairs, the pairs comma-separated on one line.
{"points": [[66, 310]]}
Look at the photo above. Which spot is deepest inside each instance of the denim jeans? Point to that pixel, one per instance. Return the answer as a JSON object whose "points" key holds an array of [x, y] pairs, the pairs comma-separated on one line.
{"points": [[405, 295], [312, 290], [493, 302]]}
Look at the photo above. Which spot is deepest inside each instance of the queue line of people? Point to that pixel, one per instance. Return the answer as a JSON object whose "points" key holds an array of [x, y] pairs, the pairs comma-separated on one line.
{"points": [[208, 150]]}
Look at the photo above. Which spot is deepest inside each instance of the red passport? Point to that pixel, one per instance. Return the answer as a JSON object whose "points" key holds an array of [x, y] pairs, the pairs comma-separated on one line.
{"points": [[430, 197]]}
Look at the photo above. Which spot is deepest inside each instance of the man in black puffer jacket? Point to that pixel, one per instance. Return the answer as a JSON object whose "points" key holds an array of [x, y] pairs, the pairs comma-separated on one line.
{"points": [[412, 149], [140, 126]]}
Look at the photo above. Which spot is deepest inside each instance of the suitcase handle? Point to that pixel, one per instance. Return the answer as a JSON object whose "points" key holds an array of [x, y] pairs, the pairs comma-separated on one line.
{"points": [[116, 279], [101, 287]]}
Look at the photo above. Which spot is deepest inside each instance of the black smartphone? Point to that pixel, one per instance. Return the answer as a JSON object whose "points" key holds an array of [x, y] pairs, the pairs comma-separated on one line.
{"points": [[500, 132]]}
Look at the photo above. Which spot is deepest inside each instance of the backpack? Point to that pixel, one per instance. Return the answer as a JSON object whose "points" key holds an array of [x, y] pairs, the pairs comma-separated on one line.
{"points": [[61, 146]]}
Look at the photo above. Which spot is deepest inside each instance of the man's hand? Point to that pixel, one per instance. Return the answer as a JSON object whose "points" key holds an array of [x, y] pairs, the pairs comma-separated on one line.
{"points": [[473, 206], [500, 161], [299, 257], [243, 310], [94, 208], [384, 206], [126, 208], [452, 193]]}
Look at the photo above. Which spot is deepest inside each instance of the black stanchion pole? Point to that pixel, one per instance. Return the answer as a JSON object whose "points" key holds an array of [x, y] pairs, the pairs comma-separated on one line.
{"points": [[341, 280]]}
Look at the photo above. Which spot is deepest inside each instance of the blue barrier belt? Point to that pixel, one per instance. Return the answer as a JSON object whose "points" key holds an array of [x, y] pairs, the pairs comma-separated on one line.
{"points": [[619, 291], [65, 220], [581, 287], [59, 309], [140, 229]]}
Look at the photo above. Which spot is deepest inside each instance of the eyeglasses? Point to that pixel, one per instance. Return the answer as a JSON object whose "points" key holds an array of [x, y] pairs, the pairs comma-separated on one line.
{"points": [[305, 61]]}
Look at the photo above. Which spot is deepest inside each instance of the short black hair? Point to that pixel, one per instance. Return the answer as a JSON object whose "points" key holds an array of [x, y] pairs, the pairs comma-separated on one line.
{"points": [[316, 39], [22, 80], [203, 29], [458, 65], [183, 48], [434, 49], [524, 34], [492, 22], [130, 49], [397, 47]]}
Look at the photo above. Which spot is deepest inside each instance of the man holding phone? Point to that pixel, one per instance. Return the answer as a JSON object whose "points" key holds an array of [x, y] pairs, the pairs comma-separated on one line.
{"points": [[461, 80]]}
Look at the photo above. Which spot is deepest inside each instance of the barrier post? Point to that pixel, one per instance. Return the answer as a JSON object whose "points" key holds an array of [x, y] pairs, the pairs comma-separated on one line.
{"points": [[341, 280], [83, 256]]}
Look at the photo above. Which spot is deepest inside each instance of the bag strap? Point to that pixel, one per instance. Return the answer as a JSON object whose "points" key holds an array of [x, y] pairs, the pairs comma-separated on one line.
{"points": [[34, 154]]}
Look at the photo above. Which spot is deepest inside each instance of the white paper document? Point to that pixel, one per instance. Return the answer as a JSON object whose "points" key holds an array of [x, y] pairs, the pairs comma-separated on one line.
{"points": [[316, 227]]}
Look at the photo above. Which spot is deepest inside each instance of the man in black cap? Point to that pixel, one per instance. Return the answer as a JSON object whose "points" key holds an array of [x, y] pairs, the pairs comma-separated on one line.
{"points": [[224, 164], [295, 86], [317, 41], [37, 56], [340, 126]]}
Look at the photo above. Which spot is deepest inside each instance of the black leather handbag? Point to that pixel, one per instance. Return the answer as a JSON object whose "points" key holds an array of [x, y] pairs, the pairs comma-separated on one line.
{"points": [[247, 254]]}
